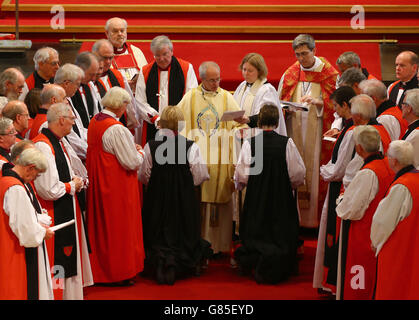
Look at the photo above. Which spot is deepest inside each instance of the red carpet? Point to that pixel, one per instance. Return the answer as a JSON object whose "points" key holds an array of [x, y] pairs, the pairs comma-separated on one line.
{"points": [[218, 282]]}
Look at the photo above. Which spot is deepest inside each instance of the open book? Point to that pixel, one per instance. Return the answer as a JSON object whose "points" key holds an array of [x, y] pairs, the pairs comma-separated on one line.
{"points": [[231, 115], [294, 106]]}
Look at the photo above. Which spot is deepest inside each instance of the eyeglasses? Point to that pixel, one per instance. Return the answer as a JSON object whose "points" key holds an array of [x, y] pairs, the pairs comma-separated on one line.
{"points": [[71, 118], [213, 80], [404, 104], [164, 55], [11, 133], [108, 57], [24, 114], [54, 63]]}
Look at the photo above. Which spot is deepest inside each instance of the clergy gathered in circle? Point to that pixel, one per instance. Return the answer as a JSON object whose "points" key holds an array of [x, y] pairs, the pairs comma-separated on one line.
{"points": [[115, 169]]}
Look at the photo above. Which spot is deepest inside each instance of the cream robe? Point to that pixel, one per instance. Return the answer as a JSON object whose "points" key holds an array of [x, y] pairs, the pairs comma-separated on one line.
{"points": [[202, 111], [305, 128]]}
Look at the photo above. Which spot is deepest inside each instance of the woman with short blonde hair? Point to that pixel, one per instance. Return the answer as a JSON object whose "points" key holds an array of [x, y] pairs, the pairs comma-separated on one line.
{"points": [[255, 91], [170, 118]]}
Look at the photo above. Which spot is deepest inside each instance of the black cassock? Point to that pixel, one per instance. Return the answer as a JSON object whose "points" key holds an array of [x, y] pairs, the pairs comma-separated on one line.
{"points": [[269, 222], [171, 216]]}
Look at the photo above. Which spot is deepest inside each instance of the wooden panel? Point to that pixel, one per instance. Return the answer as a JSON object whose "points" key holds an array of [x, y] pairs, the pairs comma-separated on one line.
{"points": [[221, 29], [9, 5]]}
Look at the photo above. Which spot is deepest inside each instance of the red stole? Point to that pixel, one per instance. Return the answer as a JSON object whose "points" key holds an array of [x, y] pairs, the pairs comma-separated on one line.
{"points": [[359, 251], [398, 260], [13, 279]]}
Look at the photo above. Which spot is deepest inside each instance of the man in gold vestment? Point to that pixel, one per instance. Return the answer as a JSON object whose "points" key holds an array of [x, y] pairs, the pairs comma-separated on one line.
{"points": [[203, 108]]}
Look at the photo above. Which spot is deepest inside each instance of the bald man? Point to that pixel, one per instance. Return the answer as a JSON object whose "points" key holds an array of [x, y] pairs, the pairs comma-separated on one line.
{"points": [[406, 73], [18, 112], [12, 82], [128, 58]]}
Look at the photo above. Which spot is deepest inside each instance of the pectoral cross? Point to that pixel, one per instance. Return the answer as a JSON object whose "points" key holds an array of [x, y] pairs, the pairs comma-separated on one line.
{"points": [[207, 119]]}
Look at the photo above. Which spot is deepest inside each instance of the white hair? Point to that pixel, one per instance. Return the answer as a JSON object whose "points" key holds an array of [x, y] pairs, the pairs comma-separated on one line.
{"points": [[204, 67], [109, 23], [69, 72], [159, 42], [33, 156], [368, 137], [5, 123], [42, 55], [11, 75], [374, 88], [115, 98], [58, 110], [411, 97], [363, 105], [402, 151]]}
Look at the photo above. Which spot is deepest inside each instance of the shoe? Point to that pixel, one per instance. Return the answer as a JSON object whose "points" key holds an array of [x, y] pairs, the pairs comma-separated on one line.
{"points": [[123, 283], [160, 274], [170, 275], [197, 272]]}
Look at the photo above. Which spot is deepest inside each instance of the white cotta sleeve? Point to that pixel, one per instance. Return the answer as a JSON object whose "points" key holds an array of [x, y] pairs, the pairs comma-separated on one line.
{"points": [[268, 95], [197, 166], [144, 109], [119, 141], [241, 174], [48, 184], [191, 81], [76, 164], [391, 124], [390, 211], [146, 166], [336, 171], [22, 218], [79, 145], [295, 164], [337, 122], [354, 203]]}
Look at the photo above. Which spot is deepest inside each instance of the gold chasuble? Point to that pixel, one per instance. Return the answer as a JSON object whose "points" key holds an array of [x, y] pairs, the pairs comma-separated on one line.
{"points": [[306, 129], [203, 111]]}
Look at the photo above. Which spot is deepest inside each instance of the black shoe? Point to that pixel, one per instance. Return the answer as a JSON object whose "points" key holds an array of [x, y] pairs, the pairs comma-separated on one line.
{"points": [[170, 275], [197, 272], [160, 274]]}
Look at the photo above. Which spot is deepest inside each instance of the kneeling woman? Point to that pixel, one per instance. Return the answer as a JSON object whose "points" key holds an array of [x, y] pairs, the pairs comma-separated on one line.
{"points": [[171, 218], [269, 223]]}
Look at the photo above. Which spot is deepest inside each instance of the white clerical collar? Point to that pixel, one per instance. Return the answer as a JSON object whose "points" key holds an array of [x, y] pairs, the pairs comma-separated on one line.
{"points": [[214, 93], [317, 63], [110, 113]]}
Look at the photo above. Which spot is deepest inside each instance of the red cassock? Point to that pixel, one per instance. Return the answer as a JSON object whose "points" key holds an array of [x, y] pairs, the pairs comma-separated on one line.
{"points": [[13, 279], [398, 260], [113, 210], [359, 252]]}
